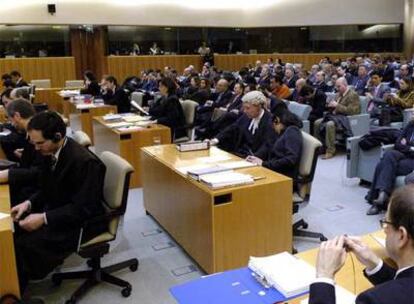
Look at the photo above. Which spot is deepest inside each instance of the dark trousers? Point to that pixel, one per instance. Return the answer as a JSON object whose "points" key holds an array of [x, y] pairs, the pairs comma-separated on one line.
{"points": [[38, 253], [393, 164]]}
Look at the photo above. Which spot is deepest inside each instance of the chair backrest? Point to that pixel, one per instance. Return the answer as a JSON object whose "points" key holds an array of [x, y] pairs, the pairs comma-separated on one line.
{"points": [[82, 138], [363, 100], [41, 83], [74, 83], [309, 158], [116, 185], [301, 110], [138, 97], [189, 109]]}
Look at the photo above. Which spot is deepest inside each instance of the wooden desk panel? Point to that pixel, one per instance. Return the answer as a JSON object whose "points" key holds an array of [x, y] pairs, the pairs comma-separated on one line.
{"points": [[51, 98], [256, 220], [81, 120], [9, 283], [128, 144]]}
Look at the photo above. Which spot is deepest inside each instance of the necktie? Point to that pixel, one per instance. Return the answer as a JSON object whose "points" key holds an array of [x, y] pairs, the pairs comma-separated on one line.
{"points": [[53, 161]]}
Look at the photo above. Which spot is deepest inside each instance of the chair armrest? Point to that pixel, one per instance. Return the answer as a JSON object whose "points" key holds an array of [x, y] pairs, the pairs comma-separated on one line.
{"points": [[352, 156], [306, 126], [407, 116], [385, 148], [359, 124]]}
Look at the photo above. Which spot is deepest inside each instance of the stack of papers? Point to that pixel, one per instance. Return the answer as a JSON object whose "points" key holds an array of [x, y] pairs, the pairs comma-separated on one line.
{"points": [[342, 296], [69, 93], [119, 125], [109, 117], [3, 215], [238, 164], [226, 179], [281, 272], [136, 118], [83, 106]]}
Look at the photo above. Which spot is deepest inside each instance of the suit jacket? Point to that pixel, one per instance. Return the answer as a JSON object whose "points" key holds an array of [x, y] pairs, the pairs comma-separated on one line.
{"points": [[322, 86], [92, 89], [318, 104], [284, 156], [348, 104], [291, 83], [239, 140], [378, 95], [168, 111], [70, 194], [21, 83], [408, 135], [119, 98], [387, 290], [222, 99], [235, 103], [360, 84]]}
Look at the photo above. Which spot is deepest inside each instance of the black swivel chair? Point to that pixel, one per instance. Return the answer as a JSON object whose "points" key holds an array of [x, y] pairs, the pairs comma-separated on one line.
{"points": [[116, 187]]}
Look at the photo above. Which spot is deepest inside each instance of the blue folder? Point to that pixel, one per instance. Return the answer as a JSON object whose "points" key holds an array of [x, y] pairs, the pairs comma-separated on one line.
{"points": [[234, 286]]}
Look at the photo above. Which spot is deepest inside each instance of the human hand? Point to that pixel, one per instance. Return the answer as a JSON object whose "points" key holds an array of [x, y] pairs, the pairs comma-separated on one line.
{"points": [[333, 104], [4, 176], [255, 160], [209, 103], [331, 258], [17, 211], [18, 153], [403, 141], [363, 253], [32, 222]]}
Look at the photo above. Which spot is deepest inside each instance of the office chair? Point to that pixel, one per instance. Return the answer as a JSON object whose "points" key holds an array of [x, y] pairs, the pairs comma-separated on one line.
{"points": [[307, 167], [42, 83], [302, 111], [189, 109], [116, 187], [74, 84], [138, 97], [82, 138]]}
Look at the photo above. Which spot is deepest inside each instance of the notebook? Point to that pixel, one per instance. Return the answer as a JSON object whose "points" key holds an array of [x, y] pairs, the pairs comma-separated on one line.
{"points": [[342, 296], [226, 179], [280, 271], [196, 173]]}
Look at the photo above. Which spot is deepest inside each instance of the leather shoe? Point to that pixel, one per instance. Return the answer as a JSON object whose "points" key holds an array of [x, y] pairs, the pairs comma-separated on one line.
{"points": [[382, 199], [328, 155], [373, 210]]}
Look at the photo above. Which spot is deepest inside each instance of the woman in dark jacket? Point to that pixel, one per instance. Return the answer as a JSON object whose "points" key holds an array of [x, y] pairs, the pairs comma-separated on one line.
{"points": [[284, 156], [91, 85], [167, 110]]}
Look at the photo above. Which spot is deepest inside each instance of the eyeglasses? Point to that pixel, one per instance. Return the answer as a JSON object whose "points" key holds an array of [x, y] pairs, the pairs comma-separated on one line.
{"points": [[383, 223]]}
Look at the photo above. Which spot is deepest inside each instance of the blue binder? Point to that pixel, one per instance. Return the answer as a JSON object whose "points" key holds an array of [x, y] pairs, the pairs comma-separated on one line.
{"points": [[234, 286]]}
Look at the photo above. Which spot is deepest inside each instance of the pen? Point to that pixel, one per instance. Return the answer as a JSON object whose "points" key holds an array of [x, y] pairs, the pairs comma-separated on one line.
{"points": [[258, 177], [250, 151]]}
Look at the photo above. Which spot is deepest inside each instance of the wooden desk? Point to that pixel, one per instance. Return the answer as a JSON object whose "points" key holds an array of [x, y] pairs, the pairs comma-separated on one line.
{"points": [[127, 144], [51, 97], [345, 277], [219, 229], [9, 283], [81, 119]]}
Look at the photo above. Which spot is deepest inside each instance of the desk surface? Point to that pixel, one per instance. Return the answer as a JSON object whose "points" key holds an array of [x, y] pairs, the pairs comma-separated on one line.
{"points": [[174, 159], [116, 131], [8, 272]]}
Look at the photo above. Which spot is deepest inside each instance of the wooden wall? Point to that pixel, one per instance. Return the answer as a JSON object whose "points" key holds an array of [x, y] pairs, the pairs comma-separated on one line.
{"points": [[124, 66], [58, 69], [235, 62]]}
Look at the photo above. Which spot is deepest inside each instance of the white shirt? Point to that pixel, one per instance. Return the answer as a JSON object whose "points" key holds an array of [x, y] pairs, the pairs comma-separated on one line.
{"points": [[254, 124]]}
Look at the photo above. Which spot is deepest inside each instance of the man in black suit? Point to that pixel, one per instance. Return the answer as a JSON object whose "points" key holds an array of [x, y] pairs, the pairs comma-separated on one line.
{"points": [[252, 133], [71, 192], [391, 286], [22, 179], [115, 95], [18, 79]]}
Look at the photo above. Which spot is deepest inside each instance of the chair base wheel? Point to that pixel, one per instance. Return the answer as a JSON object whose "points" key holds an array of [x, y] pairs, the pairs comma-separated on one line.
{"points": [[134, 267], [126, 292]]}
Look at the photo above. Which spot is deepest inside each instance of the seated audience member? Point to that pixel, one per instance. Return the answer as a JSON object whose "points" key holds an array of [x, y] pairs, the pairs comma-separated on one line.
{"points": [[274, 105], [71, 192], [230, 113], [91, 85], [17, 93], [403, 99], [377, 92], [154, 49], [279, 89], [284, 156], [360, 83], [18, 79], [399, 161], [264, 76], [312, 77], [150, 84], [388, 70], [330, 85], [205, 71], [320, 82], [404, 71], [290, 77], [346, 103], [252, 133], [195, 93], [391, 286], [295, 96], [317, 100], [167, 110], [220, 98], [114, 95], [6, 97], [341, 72], [257, 70], [22, 180]]}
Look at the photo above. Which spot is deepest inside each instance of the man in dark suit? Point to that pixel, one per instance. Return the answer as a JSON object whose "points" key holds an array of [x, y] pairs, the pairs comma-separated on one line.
{"points": [[115, 95], [290, 77], [252, 133], [18, 79], [391, 286], [22, 179], [71, 192]]}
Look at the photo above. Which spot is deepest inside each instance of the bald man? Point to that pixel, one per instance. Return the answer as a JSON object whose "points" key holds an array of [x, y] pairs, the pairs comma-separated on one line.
{"points": [[300, 83], [346, 103]]}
